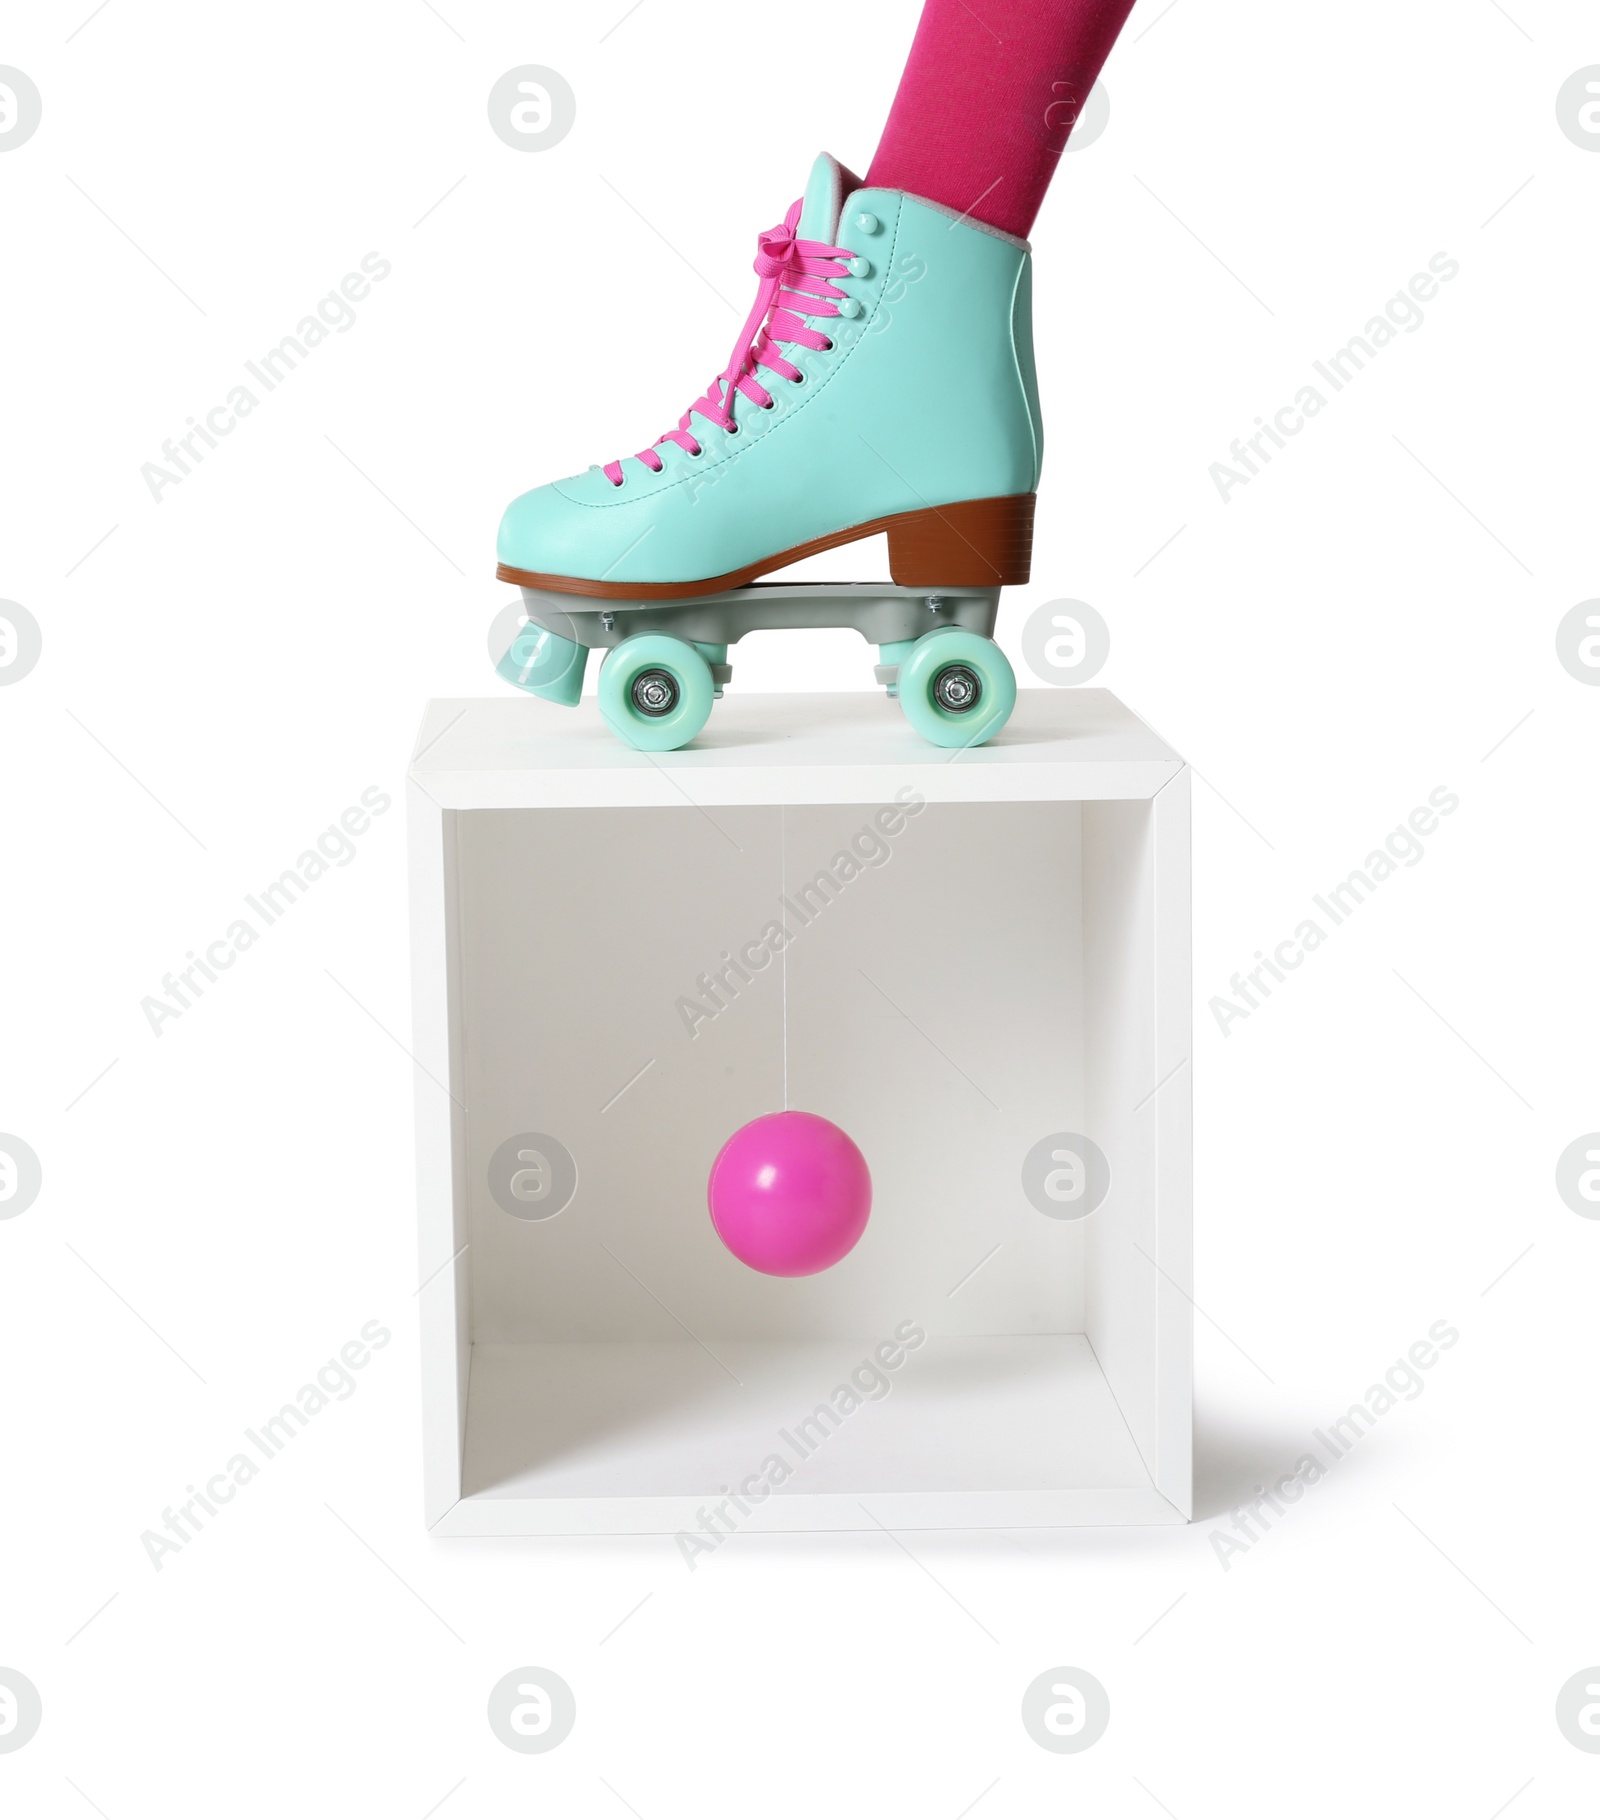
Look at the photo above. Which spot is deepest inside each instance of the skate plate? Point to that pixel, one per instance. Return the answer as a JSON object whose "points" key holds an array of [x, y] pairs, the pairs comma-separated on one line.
{"points": [[666, 661], [881, 613]]}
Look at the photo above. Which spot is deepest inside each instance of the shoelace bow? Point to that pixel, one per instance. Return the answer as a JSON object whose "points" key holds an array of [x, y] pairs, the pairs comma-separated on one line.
{"points": [[795, 282]]}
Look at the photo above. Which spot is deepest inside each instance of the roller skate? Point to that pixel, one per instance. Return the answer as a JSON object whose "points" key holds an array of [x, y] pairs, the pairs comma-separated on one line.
{"points": [[882, 383]]}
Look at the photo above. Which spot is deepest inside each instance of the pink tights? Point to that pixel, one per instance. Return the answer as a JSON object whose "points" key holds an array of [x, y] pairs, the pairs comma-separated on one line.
{"points": [[988, 97]]}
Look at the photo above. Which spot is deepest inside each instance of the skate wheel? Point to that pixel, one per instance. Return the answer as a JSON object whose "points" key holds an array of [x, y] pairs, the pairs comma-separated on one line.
{"points": [[655, 692], [957, 687]]}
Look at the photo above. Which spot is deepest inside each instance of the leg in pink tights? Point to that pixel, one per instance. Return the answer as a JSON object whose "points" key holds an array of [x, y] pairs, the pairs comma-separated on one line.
{"points": [[988, 97]]}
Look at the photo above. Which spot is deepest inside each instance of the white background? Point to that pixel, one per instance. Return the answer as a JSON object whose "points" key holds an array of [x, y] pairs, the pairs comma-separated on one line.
{"points": [[1357, 626]]}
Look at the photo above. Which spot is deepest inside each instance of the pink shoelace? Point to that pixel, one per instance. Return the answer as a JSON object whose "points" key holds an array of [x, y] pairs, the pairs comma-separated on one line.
{"points": [[795, 282]]}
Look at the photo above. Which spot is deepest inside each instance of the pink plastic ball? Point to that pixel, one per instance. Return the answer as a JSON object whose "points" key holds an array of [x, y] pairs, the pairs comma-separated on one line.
{"points": [[789, 1194]]}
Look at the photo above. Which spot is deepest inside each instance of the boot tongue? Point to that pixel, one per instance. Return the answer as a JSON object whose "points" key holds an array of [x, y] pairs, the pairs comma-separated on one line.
{"points": [[830, 183]]}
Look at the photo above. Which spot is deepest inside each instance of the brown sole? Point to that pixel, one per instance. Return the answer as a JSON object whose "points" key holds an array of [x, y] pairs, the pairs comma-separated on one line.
{"points": [[978, 543]]}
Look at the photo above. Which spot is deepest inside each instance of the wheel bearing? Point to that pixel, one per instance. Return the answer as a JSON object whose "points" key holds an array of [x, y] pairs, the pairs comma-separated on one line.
{"points": [[654, 693], [957, 689]]}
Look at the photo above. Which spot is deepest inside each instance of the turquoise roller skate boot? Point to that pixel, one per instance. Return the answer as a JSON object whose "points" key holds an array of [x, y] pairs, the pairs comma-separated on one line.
{"points": [[883, 382]]}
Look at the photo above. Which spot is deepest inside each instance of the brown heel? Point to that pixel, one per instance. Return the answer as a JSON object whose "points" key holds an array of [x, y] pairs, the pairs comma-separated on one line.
{"points": [[980, 543]]}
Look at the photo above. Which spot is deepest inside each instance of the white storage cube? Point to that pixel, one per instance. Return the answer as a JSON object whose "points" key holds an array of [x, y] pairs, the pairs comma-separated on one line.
{"points": [[1007, 959]]}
